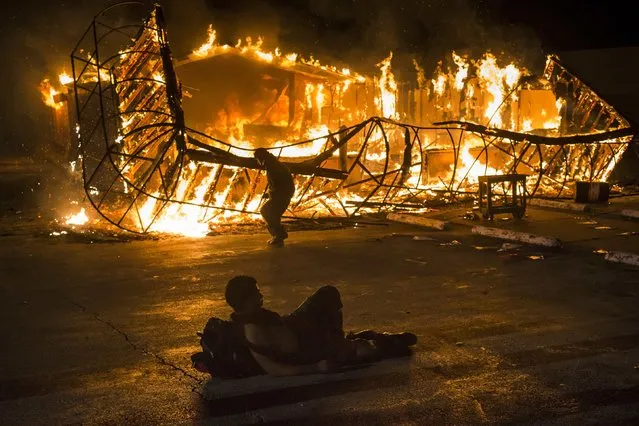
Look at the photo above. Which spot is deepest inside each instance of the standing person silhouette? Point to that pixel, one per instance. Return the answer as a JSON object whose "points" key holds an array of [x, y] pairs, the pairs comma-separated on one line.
{"points": [[279, 193]]}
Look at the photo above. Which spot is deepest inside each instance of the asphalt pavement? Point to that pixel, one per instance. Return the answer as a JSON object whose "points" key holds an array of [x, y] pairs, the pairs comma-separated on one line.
{"points": [[98, 329]]}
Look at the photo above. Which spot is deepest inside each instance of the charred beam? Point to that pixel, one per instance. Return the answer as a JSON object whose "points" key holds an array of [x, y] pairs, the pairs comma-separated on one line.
{"points": [[541, 140], [228, 159]]}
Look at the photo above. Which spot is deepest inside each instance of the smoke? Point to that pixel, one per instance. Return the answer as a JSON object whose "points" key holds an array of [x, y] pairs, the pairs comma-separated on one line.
{"points": [[37, 38], [359, 33]]}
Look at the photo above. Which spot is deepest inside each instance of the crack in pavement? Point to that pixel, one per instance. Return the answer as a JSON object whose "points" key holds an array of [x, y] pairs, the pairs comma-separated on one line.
{"points": [[142, 349]]}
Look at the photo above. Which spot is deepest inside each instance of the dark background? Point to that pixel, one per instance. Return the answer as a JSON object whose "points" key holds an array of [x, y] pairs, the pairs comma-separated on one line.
{"points": [[37, 37]]}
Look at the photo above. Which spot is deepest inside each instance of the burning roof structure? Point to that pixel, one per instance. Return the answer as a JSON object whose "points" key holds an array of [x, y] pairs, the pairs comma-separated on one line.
{"points": [[167, 145]]}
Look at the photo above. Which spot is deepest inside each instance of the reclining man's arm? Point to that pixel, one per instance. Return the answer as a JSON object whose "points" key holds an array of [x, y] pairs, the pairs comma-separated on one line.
{"points": [[278, 340]]}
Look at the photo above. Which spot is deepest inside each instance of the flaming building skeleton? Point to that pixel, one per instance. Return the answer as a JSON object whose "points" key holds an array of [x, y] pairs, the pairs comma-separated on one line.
{"points": [[355, 144]]}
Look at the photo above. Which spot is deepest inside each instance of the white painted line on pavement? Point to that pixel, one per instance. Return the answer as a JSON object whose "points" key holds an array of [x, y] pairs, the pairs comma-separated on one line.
{"points": [[440, 225], [522, 237]]}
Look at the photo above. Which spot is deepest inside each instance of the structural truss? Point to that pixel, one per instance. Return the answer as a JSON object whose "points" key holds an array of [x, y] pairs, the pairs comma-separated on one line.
{"points": [[142, 162]]}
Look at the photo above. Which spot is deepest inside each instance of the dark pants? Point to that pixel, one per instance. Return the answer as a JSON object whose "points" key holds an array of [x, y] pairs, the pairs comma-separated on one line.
{"points": [[318, 324], [272, 212]]}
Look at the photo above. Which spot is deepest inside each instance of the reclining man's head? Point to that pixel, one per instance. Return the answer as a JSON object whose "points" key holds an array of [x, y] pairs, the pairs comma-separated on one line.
{"points": [[242, 294]]}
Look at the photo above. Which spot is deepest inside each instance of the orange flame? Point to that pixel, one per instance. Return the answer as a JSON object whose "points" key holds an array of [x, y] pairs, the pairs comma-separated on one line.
{"points": [[49, 93], [254, 50], [491, 83], [65, 79], [497, 82], [79, 218], [386, 100]]}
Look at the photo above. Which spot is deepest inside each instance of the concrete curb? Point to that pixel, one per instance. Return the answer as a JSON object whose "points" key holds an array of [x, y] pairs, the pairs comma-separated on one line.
{"points": [[440, 225], [630, 213], [561, 205], [622, 257], [522, 237]]}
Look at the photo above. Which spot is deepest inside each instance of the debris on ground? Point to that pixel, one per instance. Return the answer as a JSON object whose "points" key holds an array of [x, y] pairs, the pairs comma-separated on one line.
{"points": [[423, 238], [402, 234], [451, 243], [418, 260], [509, 246], [95, 236], [471, 215]]}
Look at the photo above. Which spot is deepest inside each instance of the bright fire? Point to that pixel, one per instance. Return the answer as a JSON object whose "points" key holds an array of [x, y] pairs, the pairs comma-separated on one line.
{"points": [[188, 219], [302, 117], [79, 218], [65, 79], [49, 94], [249, 48], [498, 82], [462, 71], [386, 100]]}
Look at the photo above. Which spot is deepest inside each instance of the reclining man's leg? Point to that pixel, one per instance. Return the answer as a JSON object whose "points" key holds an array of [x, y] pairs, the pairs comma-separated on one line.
{"points": [[322, 309], [318, 323]]}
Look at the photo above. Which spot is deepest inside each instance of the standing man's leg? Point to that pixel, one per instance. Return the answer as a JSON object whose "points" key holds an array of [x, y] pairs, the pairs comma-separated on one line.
{"points": [[267, 215], [272, 212], [278, 206]]}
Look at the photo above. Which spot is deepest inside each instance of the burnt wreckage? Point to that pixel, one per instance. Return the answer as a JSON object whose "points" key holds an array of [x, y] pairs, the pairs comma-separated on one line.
{"points": [[142, 161]]}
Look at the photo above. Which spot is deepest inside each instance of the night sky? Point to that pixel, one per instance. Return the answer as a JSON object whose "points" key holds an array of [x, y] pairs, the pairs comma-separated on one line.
{"points": [[37, 37]]}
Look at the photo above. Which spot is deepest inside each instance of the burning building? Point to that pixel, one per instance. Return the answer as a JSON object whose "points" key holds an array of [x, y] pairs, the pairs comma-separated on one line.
{"points": [[167, 145]]}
